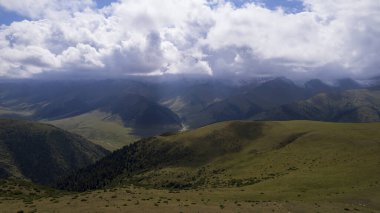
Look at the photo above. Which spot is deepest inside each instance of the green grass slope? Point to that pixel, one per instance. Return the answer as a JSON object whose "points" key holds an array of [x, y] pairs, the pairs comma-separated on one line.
{"points": [[296, 160], [297, 166], [99, 127], [18, 196], [41, 152]]}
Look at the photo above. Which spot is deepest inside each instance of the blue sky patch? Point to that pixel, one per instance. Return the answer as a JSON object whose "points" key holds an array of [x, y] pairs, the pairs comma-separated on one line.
{"points": [[7, 17], [290, 6], [103, 3]]}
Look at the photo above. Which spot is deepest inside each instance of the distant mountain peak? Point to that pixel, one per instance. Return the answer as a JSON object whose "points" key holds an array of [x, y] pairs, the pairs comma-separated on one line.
{"points": [[317, 85], [347, 83]]}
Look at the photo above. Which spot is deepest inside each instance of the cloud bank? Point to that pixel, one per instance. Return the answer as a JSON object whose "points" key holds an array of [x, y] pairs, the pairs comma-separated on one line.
{"points": [[213, 37]]}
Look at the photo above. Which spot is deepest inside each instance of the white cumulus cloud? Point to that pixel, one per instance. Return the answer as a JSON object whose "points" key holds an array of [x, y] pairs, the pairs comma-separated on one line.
{"points": [[144, 37]]}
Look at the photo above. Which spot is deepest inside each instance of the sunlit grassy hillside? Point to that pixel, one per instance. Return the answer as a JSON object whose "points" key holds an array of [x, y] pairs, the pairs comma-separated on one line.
{"points": [[297, 166], [101, 128], [296, 160]]}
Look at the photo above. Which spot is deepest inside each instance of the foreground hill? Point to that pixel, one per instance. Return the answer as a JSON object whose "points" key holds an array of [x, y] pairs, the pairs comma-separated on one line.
{"points": [[361, 105], [297, 166], [41, 152], [297, 160]]}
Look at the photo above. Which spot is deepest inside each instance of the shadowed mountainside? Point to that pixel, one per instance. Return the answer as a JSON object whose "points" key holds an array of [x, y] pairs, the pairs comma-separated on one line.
{"points": [[41, 152]]}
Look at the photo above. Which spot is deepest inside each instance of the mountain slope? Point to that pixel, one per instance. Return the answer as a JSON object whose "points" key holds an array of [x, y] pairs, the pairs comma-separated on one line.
{"points": [[241, 102], [347, 106], [190, 100], [41, 152], [99, 127], [145, 116], [252, 99], [233, 108], [316, 86], [275, 156], [276, 92]]}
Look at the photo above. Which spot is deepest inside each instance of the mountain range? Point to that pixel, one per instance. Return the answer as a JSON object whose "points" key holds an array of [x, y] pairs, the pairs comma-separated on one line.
{"points": [[147, 108], [360, 105]]}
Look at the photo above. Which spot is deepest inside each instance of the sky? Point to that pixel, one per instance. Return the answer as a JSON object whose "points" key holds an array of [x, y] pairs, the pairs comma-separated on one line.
{"points": [[115, 38]]}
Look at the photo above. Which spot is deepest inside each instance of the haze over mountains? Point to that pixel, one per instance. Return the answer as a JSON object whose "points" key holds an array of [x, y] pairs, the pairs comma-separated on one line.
{"points": [[149, 107]]}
